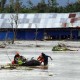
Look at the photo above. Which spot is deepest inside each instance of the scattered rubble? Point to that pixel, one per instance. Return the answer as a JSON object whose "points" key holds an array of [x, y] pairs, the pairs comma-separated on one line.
{"points": [[2, 45], [61, 47]]}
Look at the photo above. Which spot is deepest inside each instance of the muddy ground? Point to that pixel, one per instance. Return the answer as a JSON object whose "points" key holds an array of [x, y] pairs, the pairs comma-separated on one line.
{"points": [[64, 66]]}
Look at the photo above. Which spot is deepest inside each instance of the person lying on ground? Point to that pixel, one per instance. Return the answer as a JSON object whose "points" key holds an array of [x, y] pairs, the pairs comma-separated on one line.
{"points": [[18, 59]]}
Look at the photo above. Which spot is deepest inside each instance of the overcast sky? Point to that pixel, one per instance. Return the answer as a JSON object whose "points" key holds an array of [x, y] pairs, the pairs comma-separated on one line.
{"points": [[60, 2]]}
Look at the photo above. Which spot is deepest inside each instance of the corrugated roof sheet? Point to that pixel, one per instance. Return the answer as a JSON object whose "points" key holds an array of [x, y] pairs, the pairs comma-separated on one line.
{"points": [[41, 20]]}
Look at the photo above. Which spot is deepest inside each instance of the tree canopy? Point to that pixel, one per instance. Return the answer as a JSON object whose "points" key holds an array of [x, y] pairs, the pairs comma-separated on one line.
{"points": [[42, 7]]}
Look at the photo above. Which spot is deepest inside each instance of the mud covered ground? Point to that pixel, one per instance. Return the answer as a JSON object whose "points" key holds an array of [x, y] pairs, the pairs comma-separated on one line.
{"points": [[64, 66]]}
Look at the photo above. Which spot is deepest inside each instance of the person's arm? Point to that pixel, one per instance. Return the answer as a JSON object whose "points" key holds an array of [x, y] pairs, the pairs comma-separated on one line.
{"points": [[50, 57]]}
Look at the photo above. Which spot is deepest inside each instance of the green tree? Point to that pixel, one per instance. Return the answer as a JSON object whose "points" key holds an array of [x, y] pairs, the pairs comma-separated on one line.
{"points": [[11, 6], [52, 3], [2, 4], [30, 4]]}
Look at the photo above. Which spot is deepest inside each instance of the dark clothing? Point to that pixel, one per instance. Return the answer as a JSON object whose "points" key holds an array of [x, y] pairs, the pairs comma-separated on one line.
{"points": [[31, 63], [17, 58], [22, 61], [46, 58], [23, 58]]}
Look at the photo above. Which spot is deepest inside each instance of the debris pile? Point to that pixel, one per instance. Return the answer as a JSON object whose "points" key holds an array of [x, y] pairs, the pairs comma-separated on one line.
{"points": [[2, 45], [61, 47]]}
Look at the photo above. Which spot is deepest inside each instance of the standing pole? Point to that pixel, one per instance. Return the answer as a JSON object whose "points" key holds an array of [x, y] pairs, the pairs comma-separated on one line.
{"points": [[36, 34]]}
